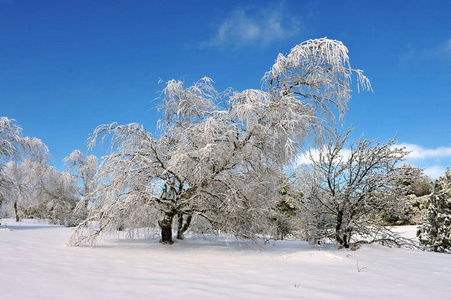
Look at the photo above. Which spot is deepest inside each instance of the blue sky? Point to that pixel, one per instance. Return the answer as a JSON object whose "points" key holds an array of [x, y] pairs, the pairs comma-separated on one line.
{"points": [[69, 66]]}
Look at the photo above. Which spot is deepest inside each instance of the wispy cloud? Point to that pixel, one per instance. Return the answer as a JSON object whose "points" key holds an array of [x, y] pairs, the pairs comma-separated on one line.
{"points": [[434, 161], [418, 152], [254, 25], [447, 47], [440, 51]]}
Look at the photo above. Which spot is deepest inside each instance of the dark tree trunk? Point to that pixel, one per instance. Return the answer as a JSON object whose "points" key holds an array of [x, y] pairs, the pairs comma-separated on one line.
{"points": [[341, 237], [166, 228], [15, 211], [182, 228]]}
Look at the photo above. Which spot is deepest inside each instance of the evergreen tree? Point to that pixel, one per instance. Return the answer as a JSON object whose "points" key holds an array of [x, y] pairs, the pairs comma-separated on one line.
{"points": [[283, 216], [435, 234]]}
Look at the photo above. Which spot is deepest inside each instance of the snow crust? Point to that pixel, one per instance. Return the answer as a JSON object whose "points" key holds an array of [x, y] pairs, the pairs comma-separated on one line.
{"points": [[35, 264]]}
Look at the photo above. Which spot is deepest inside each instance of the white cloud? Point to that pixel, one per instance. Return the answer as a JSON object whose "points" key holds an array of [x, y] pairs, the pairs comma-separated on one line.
{"points": [[447, 47], [304, 158], [434, 172], [418, 152], [254, 25], [434, 161]]}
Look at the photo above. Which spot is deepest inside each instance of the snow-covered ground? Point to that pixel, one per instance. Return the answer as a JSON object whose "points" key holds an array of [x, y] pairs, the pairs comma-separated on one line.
{"points": [[34, 264]]}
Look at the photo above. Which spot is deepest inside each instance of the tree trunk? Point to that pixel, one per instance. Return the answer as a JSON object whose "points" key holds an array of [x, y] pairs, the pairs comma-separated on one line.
{"points": [[181, 229], [342, 238], [15, 211], [166, 228]]}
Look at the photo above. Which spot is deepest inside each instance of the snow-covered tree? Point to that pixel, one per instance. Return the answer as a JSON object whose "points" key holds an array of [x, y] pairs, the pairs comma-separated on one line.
{"points": [[416, 182], [218, 156], [11, 144], [28, 184], [345, 192], [85, 168], [50, 195], [13, 149], [413, 190], [435, 233], [17, 188], [41, 192], [11, 141]]}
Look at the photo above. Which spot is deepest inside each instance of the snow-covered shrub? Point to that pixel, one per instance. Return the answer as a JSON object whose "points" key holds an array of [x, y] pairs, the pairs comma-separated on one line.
{"points": [[410, 211]]}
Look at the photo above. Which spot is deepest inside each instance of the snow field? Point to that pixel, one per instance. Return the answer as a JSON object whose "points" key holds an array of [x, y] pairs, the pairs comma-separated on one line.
{"points": [[34, 264]]}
